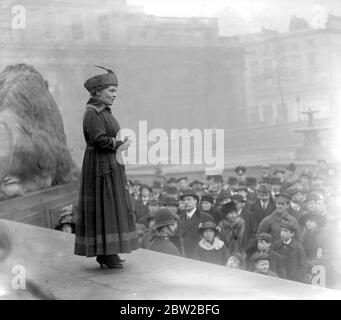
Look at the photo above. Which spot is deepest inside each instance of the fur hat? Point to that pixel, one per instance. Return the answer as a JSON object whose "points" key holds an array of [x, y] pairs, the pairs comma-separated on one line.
{"points": [[101, 80]]}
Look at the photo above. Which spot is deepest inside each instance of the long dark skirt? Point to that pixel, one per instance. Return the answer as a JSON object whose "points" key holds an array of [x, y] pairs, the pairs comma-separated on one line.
{"points": [[106, 221]]}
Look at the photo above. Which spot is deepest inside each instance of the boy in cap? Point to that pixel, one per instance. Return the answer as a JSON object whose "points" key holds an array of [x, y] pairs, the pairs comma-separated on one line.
{"points": [[272, 224], [189, 221], [262, 265], [292, 252], [264, 241], [232, 228], [210, 248]]}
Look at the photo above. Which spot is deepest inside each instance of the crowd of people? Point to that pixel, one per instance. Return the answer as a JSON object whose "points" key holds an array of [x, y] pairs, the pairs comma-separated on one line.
{"points": [[282, 224]]}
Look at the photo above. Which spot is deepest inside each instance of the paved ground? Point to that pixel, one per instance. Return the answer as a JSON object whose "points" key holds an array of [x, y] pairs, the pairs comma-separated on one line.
{"points": [[48, 259]]}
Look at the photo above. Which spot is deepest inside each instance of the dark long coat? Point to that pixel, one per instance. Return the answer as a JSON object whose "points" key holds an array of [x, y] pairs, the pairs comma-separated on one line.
{"points": [[163, 244], [106, 220], [188, 230], [294, 259], [250, 229]]}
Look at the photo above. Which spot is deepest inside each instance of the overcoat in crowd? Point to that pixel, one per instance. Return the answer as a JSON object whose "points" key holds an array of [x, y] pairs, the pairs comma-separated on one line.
{"points": [[188, 230], [106, 220], [294, 259], [261, 213]]}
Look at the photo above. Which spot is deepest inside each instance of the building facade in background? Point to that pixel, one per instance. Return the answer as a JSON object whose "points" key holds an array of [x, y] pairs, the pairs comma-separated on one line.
{"points": [[290, 72], [175, 73]]}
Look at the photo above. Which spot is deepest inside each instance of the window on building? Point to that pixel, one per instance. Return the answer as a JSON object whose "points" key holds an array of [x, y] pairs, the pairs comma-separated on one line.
{"points": [[77, 27], [103, 27]]}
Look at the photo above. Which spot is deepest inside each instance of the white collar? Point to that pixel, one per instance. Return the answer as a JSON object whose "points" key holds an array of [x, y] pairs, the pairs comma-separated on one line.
{"points": [[288, 242], [190, 214]]}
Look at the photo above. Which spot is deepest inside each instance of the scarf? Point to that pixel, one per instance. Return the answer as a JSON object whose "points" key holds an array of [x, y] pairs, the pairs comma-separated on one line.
{"points": [[217, 244]]}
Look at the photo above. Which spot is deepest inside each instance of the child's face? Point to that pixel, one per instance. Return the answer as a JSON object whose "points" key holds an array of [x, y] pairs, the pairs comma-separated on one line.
{"points": [[208, 235], [286, 234], [262, 266], [233, 262], [263, 245], [206, 205]]}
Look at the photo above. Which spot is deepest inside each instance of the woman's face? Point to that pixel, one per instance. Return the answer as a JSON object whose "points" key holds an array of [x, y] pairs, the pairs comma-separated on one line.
{"points": [[208, 235], [107, 95]]}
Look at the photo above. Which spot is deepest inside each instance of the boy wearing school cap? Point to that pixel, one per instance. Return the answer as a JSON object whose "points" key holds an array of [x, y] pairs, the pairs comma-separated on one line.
{"points": [[264, 242], [262, 265], [272, 224], [293, 253]]}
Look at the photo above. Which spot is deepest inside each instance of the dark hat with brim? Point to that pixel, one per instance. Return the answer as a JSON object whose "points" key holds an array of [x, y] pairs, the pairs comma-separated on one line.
{"points": [[283, 196], [238, 197], [181, 178], [208, 225], [195, 182], [208, 198], [265, 236], [261, 256], [164, 217], [289, 225], [228, 208], [189, 193], [169, 201]]}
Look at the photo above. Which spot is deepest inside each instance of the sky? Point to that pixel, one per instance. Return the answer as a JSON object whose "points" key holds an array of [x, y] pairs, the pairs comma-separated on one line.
{"points": [[244, 16]]}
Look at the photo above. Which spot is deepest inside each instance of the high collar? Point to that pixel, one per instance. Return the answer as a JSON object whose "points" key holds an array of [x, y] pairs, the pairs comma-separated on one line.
{"points": [[93, 101]]}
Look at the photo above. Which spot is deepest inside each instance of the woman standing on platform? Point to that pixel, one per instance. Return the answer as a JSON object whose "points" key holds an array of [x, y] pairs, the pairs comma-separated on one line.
{"points": [[106, 221]]}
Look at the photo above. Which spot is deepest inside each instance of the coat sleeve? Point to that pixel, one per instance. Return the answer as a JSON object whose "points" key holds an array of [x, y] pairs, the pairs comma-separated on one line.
{"points": [[301, 274], [97, 133], [281, 271]]}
